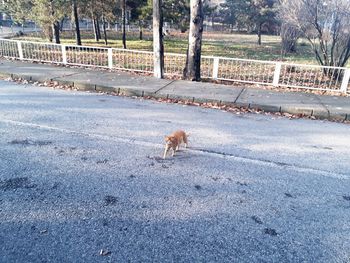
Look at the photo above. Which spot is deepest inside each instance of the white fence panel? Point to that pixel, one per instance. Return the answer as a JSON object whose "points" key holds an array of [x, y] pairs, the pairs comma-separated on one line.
{"points": [[87, 56], [207, 67], [174, 64], [246, 71], [42, 52], [141, 61], [311, 77], [9, 48]]}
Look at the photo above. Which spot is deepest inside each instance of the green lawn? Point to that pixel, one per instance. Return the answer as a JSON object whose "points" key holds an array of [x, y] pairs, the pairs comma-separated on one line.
{"points": [[214, 44]]}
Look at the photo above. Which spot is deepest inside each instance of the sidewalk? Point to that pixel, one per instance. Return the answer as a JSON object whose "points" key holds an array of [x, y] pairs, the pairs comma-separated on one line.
{"points": [[325, 107]]}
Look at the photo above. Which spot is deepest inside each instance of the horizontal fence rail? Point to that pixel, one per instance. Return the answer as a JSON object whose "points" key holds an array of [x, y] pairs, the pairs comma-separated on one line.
{"points": [[277, 74]]}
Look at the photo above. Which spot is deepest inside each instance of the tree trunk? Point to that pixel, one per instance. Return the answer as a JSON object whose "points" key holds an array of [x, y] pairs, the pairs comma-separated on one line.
{"points": [[95, 30], [140, 30], [259, 34], [61, 24], [98, 28], [55, 27], [104, 30], [56, 32], [124, 22], [48, 30], [158, 46], [76, 21], [192, 69]]}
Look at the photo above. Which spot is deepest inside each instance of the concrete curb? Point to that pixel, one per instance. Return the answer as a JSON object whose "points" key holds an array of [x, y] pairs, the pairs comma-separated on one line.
{"points": [[129, 92]]}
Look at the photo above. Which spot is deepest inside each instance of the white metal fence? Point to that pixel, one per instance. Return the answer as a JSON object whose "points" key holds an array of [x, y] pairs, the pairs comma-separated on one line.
{"points": [[230, 69]]}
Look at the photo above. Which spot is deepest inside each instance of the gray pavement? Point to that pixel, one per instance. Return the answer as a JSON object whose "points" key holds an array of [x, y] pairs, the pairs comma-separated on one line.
{"points": [[325, 107], [81, 172]]}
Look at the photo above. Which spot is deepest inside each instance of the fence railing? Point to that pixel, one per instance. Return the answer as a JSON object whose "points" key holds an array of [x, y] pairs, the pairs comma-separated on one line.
{"points": [[277, 74]]}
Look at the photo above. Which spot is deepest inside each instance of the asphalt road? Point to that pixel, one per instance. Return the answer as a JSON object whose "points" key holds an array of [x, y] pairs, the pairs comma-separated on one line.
{"points": [[81, 173]]}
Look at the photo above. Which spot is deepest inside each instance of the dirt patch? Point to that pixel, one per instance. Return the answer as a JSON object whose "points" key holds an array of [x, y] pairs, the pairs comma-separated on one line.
{"points": [[158, 159], [16, 183], [27, 142], [104, 161], [215, 178], [110, 200], [346, 197], [257, 220], [288, 195], [270, 231], [198, 187]]}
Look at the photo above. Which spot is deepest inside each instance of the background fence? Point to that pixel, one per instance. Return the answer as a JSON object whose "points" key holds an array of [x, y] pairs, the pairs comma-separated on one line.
{"points": [[220, 68]]}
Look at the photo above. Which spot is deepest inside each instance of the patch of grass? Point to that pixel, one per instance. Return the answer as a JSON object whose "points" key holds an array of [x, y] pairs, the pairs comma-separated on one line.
{"points": [[214, 44]]}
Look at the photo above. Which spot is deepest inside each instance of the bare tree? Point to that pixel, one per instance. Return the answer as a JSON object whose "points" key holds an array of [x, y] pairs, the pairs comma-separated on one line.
{"points": [[192, 69], [325, 24], [289, 35], [158, 46], [76, 21], [104, 30], [123, 3]]}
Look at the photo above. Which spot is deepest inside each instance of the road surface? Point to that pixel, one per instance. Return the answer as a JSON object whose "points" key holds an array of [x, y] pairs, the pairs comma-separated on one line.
{"points": [[81, 180]]}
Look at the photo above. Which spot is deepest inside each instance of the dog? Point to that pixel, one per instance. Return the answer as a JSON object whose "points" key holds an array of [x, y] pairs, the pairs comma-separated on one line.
{"points": [[174, 141]]}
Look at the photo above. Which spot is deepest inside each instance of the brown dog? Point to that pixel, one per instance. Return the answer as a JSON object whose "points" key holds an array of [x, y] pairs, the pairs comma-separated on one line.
{"points": [[174, 140]]}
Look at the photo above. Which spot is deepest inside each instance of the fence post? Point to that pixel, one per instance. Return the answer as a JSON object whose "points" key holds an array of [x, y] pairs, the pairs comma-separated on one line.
{"points": [[276, 76], [20, 50], [64, 54], [110, 58], [215, 68], [345, 82]]}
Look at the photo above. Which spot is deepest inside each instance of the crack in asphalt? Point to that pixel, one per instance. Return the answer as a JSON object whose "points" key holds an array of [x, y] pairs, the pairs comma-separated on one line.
{"points": [[168, 84], [201, 151]]}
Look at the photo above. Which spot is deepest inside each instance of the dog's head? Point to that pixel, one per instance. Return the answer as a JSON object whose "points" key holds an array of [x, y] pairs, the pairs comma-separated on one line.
{"points": [[170, 140]]}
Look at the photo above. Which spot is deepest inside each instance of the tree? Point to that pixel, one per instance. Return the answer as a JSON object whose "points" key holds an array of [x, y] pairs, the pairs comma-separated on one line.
{"points": [[141, 12], [192, 69], [158, 46], [123, 8], [46, 13], [255, 14], [234, 12], [19, 9], [178, 13], [100, 12], [145, 14], [76, 22], [261, 12], [289, 38], [325, 24]]}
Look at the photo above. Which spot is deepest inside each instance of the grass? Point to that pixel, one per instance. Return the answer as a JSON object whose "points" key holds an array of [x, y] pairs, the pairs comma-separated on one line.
{"points": [[214, 44]]}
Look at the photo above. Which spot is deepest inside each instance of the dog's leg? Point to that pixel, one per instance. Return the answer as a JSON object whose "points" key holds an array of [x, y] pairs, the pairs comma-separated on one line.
{"points": [[178, 146], [185, 141], [165, 151], [174, 150]]}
